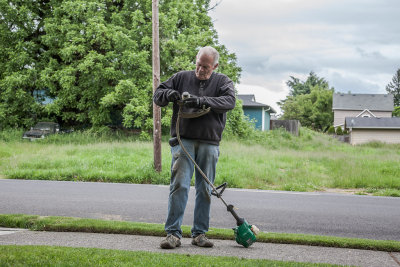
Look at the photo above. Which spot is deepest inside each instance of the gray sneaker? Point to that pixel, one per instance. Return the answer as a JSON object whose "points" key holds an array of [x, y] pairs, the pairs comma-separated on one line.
{"points": [[170, 241], [202, 241]]}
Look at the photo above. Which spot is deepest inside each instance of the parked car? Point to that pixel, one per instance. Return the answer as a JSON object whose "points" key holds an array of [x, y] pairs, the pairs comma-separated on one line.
{"points": [[41, 130]]}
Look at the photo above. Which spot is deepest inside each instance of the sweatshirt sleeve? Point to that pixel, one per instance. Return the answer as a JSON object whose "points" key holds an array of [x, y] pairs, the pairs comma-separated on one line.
{"points": [[160, 95], [225, 100]]}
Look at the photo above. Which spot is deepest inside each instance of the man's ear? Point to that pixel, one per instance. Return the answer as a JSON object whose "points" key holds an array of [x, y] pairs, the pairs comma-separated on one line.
{"points": [[215, 66]]}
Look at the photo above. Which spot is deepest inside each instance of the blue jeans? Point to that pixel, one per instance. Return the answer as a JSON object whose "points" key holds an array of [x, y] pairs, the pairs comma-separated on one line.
{"points": [[206, 156]]}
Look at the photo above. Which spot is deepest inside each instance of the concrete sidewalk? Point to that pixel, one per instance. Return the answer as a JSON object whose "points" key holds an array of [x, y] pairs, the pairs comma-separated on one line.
{"points": [[281, 252]]}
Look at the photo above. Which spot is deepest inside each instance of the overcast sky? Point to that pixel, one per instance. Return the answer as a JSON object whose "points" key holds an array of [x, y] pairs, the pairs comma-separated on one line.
{"points": [[353, 44]]}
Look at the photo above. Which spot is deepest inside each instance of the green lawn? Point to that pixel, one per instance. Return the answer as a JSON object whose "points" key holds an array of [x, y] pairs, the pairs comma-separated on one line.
{"points": [[269, 160], [68, 224], [272, 160], [65, 256]]}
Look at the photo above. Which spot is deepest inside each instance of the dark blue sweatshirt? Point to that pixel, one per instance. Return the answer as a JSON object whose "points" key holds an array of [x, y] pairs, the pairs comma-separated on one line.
{"points": [[218, 93]]}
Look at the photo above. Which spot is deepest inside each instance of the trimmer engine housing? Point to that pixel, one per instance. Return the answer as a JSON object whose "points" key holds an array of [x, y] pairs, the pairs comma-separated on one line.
{"points": [[243, 234]]}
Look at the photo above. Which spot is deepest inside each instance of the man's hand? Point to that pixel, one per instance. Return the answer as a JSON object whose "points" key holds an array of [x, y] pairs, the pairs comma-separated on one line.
{"points": [[194, 102], [173, 95]]}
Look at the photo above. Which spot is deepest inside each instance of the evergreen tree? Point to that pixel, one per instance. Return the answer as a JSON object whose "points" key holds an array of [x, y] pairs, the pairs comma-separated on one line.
{"points": [[394, 88], [331, 130], [339, 131], [298, 87]]}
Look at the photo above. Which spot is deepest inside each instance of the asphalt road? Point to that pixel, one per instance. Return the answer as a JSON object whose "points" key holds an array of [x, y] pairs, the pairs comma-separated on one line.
{"points": [[272, 211]]}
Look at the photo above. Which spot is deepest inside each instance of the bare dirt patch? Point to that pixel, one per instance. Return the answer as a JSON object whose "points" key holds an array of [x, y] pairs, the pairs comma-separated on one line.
{"points": [[349, 191]]}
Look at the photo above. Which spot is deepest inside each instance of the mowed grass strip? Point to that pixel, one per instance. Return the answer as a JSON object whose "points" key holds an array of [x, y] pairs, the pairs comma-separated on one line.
{"points": [[70, 224], [269, 160], [66, 256]]}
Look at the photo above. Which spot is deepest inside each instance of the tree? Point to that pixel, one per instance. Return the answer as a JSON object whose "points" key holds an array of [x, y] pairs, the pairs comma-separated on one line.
{"points": [[396, 112], [394, 88], [313, 109], [298, 87], [20, 30], [94, 58]]}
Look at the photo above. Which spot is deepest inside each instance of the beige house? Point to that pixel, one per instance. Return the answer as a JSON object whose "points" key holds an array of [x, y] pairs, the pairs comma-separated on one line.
{"points": [[364, 130], [361, 106]]}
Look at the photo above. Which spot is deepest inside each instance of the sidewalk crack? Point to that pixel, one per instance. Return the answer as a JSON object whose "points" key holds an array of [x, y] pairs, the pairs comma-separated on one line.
{"points": [[394, 258]]}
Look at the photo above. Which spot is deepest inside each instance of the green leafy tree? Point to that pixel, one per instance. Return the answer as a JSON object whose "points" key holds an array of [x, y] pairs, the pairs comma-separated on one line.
{"points": [[20, 30], [94, 58], [298, 87], [396, 112], [394, 88], [313, 110]]}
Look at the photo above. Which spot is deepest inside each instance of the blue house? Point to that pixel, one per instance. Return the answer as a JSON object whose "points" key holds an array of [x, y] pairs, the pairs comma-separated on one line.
{"points": [[261, 113]]}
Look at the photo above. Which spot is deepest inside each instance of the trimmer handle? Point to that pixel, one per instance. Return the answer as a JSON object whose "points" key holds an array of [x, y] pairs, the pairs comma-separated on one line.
{"points": [[219, 194]]}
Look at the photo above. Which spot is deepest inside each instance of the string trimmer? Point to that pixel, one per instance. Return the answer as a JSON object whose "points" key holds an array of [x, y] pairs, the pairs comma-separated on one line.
{"points": [[245, 234]]}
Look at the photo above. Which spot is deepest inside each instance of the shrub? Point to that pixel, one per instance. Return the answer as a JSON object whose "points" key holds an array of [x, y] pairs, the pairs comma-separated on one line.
{"points": [[339, 131], [237, 124], [331, 130]]}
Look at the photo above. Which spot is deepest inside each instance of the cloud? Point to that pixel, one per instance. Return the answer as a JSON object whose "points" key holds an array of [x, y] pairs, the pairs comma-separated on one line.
{"points": [[353, 44], [345, 83], [263, 95]]}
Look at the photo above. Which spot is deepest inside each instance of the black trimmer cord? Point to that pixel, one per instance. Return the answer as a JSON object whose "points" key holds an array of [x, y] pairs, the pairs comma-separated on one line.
{"points": [[196, 115], [244, 233]]}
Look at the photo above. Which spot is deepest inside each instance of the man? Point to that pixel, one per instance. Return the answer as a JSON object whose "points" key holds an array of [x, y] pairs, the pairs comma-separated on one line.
{"points": [[200, 136]]}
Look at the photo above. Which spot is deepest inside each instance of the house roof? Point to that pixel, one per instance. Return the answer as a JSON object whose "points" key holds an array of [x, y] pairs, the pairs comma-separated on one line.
{"points": [[250, 101], [365, 112], [372, 123], [372, 102]]}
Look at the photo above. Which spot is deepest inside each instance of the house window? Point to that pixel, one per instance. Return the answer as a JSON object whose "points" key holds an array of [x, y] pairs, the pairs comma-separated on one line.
{"points": [[366, 116]]}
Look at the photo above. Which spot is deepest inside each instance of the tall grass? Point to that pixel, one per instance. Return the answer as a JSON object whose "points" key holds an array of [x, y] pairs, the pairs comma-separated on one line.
{"points": [[126, 162], [312, 161], [264, 160]]}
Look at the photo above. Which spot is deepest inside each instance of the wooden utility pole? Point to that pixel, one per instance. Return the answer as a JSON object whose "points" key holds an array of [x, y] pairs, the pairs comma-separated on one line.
{"points": [[156, 83]]}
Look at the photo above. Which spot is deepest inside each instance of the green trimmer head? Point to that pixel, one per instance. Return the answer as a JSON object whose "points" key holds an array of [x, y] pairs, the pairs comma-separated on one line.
{"points": [[244, 234]]}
